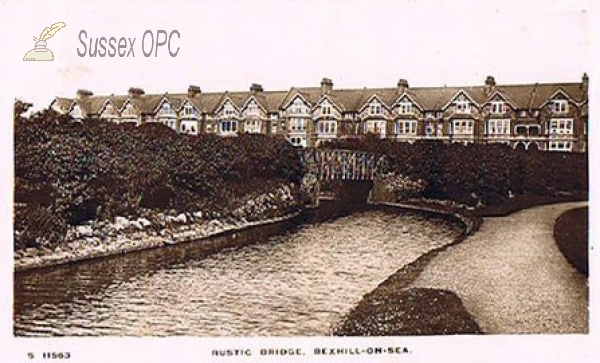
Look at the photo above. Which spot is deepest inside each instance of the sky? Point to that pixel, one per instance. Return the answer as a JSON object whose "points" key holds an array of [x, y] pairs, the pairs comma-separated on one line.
{"points": [[227, 45]]}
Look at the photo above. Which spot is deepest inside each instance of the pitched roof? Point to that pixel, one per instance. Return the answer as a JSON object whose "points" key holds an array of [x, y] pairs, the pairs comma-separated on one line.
{"points": [[429, 98]]}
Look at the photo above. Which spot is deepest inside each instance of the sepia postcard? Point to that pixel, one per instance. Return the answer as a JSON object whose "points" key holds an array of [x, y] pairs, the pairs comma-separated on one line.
{"points": [[299, 181]]}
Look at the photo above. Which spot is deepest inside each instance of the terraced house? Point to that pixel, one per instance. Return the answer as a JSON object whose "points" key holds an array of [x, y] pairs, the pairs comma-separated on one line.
{"points": [[544, 116]]}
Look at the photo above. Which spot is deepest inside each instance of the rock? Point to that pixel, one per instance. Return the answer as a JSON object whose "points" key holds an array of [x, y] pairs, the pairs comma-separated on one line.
{"points": [[137, 224], [144, 222], [85, 231], [121, 222], [181, 218], [197, 214]]}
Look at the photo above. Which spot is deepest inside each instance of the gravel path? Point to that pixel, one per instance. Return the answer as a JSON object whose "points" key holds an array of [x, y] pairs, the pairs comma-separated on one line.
{"points": [[512, 277]]}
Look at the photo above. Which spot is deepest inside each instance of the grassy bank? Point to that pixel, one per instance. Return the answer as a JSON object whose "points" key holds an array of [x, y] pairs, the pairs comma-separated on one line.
{"points": [[394, 309], [571, 232]]}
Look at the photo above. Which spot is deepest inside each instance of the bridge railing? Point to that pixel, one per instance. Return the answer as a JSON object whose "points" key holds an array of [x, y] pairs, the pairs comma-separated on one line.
{"points": [[339, 164]]}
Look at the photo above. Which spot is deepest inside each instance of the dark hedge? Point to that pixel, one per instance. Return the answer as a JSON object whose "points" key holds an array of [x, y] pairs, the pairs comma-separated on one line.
{"points": [[486, 173], [97, 170]]}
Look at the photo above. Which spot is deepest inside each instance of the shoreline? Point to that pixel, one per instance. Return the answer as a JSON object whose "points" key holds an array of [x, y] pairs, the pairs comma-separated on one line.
{"points": [[392, 309], [97, 243], [396, 307]]}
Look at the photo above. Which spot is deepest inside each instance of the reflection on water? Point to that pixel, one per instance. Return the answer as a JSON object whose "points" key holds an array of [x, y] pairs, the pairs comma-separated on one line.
{"points": [[298, 283]]}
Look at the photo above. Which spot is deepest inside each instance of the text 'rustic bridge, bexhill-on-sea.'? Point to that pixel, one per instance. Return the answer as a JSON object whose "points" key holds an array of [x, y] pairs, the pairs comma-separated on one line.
{"points": [[336, 164]]}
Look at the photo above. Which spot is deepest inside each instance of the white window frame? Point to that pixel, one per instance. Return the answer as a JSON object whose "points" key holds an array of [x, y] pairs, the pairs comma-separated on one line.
{"points": [[253, 126], [462, 107], [406, 127], [377, 127], [327, 127], [297, 140], [193, 128], [166, 110], [405, 108], [560, 126], [499, 127], [252, 109], [326, 110], [462, 127], [298, 107], [298, 124], [375, 108], [560, 146], [498, 107], [188, 111], [228, 127], [560, 107]]}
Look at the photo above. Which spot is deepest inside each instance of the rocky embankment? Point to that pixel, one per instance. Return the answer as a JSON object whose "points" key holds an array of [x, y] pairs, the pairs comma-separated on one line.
{"points": [[152, 230]]}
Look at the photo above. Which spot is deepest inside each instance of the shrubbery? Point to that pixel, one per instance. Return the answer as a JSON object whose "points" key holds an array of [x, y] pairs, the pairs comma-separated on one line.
{"points": [[98, 170], [477, 172]]}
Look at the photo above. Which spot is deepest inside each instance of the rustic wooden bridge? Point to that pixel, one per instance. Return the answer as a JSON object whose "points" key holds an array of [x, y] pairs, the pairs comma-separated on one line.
{"points": [[336, 164]]}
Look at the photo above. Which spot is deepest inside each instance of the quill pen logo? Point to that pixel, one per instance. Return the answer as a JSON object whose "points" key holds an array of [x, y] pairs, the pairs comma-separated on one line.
{"points": [[40, 52]]}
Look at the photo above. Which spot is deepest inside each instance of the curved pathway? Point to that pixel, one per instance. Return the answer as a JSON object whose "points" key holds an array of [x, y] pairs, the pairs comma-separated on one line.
{"points": [[512, 277]]}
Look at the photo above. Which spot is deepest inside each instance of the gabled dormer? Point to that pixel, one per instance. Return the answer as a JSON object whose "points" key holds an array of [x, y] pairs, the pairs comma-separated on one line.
{"points": [[374, 108], [461, 104], [188, 110], [253, 108], [499, 105], [406, 106], [76, 111], [297, 106], [228, 109], [326, 108], [164, 109], [108, 111], [559, 104]]}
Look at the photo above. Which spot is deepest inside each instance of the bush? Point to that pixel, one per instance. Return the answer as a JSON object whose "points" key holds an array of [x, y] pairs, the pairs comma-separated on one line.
{"points": [[98, 170], [479, 173]]}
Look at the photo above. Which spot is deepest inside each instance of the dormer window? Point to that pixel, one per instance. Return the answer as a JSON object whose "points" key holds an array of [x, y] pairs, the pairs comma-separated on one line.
{"points": [[298, 107], [375, 109], [326, 110], [129, 111], [463, 107], [405, 108], [498, 107], [188, 111], [523, 113], [252, 109], [228, 110], [166, 110], [77, 113], [560, 106]]}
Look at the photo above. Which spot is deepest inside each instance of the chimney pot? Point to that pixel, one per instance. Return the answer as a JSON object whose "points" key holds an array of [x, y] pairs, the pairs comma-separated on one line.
{"points": [[193, 91], [135, 92], [402, 85], [256, 88], [585, 82], [490, 85], [84, 93], [326, 85]]}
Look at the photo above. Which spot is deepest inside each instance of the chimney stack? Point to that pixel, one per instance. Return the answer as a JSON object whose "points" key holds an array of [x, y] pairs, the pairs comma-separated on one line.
{"points": [[585, 82], [256, 88], [135, 92], [490, 85], [402, 86], [83, 94], [193, 91], [326, 85]]}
